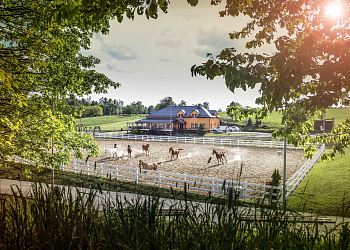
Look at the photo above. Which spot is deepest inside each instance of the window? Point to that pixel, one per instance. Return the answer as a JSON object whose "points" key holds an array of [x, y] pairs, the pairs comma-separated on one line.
{"points": [[196, 125], [194, 115], [192, 125]]}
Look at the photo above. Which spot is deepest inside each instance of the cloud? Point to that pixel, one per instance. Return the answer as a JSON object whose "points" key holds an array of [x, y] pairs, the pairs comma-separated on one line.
{"points": [[213, 41], [121, 53], [169, 44], [167, 32], [111, 67], [169, 61]]}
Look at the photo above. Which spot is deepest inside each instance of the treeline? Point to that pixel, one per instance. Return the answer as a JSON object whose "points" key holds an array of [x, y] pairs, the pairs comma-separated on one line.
{"points": [[107, 106]]}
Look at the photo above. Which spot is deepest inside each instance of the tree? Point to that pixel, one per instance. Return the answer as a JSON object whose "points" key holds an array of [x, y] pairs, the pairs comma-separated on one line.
{"points": [[229, 112], [201, 130], [42, 64], [165, 102], [206, 105], [308, 71], [92, 111], [150, 108], [183, 103]]}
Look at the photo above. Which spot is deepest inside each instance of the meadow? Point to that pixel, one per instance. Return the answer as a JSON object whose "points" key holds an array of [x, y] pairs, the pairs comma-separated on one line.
{"points": [[111, 122]]}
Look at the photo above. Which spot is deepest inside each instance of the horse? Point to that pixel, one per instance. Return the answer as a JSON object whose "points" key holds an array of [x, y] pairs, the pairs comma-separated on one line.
{"points": [[129, 150], [112, 151], [145, 148], [220, 156], [174, 152], [149, 166]]}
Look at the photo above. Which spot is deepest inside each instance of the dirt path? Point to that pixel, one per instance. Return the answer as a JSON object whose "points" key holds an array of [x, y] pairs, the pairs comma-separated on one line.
{"points": [[258, 164]]}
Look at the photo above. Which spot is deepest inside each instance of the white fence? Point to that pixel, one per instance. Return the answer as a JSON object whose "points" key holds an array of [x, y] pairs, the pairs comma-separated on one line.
{"points": [[294, 182], [159, 178], [204, 184], [198, 140]]}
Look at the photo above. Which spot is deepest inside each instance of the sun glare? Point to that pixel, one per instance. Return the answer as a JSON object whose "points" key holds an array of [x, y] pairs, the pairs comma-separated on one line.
{"points": [[333, 10]]}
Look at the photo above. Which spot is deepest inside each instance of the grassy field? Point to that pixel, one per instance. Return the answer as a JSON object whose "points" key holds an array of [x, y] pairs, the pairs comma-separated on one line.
{"points": [[111, 122], [326, 190], [274, 119]]}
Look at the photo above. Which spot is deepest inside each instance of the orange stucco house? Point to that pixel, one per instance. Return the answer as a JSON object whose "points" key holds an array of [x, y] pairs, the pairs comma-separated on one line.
{"points": [[179, 118]]}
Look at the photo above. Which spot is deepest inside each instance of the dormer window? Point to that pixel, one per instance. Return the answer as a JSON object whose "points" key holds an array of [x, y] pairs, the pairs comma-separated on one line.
{"points": [[194, 115]]}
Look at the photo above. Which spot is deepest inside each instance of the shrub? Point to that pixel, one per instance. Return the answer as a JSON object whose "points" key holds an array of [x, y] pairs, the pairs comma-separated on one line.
{"points": [[201, 130], [135, 131]]}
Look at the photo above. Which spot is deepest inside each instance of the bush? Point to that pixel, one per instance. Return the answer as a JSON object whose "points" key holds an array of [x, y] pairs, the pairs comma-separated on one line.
{"points": [[135, 131], [276, 177], [201, 130]]}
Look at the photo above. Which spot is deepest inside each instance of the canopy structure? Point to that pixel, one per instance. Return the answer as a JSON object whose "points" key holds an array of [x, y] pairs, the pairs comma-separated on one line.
{"points": [[158, 124]]}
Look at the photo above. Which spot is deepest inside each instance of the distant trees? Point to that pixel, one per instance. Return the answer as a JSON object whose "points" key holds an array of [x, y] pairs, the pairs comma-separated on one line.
{"points": [[205, 105], [166, 101], [235, 104], [92, 111], [183, 103], [136, 108], [111, 107]]}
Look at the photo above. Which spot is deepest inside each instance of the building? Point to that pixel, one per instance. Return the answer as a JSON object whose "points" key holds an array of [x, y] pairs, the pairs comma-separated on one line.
{"points": [[326, 124], [179, 119]]}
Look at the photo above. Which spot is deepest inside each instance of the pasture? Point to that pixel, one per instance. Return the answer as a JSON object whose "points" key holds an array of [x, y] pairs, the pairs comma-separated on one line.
{"points": [[257, 164]]}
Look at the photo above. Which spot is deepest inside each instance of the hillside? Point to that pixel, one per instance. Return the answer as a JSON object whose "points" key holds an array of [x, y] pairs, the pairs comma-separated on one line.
{"points": [[274, 119], [111, 122]]}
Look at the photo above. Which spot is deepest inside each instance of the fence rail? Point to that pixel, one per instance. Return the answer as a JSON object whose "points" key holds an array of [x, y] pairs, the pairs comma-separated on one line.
{"points": [[205, 184], [297, 178], [198, 140]]}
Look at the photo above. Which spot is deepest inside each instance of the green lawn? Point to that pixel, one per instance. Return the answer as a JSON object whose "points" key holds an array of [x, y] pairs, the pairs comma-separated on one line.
{"points": [[274, 119], [111, 122], [324, 189], [339, 114]]}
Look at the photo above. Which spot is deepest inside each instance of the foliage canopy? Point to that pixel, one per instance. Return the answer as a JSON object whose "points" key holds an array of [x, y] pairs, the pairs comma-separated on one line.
{"points": [[309, 70], [42, 64]]}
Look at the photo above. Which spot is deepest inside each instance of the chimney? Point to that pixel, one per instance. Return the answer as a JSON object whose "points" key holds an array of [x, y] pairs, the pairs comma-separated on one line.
{"points": [[199, 105]]}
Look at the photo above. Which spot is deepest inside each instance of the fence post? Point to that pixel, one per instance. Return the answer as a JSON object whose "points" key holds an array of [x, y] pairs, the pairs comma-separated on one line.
{"points": [[221, 142], [137, 176], [244, 191], [259, 143], [87, 167], [75, 168], [116, 172], [238, 142], [159, 179], [101, 170], [184, 179], [212, 186], [62, 167]]}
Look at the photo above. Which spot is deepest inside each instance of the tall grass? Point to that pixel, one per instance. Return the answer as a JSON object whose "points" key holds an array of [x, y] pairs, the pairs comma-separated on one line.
{"points": [[68, 219]]}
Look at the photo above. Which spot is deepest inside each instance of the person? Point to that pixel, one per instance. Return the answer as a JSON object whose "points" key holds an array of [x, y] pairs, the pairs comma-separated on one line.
{"points": [[115, 146]]}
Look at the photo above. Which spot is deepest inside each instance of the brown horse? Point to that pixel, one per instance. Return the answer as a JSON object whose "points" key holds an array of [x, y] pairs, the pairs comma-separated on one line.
{"points": [[220, 156], [129, 150], [145, 148], [174, 152], [148, 166]]}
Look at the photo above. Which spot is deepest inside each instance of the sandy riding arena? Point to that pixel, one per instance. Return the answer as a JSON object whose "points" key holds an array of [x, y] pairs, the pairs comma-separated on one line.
{"points": [[258, 163]]}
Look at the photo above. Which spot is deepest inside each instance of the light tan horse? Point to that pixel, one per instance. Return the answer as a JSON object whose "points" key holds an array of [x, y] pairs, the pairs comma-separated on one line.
{"points": [[145, 148], [220, 156], [148, 166], [174, 152]]}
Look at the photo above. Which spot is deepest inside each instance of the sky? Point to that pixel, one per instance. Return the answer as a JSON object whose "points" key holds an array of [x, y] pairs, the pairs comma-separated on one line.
{"points": [[152, 59]]}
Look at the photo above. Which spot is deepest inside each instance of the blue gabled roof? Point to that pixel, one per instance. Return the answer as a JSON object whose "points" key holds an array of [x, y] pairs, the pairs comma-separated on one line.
{"points": [[173, 110]]}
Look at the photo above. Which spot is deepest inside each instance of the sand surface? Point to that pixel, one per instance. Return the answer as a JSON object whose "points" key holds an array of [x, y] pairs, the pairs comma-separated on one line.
{"points": [[257, 164]]}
